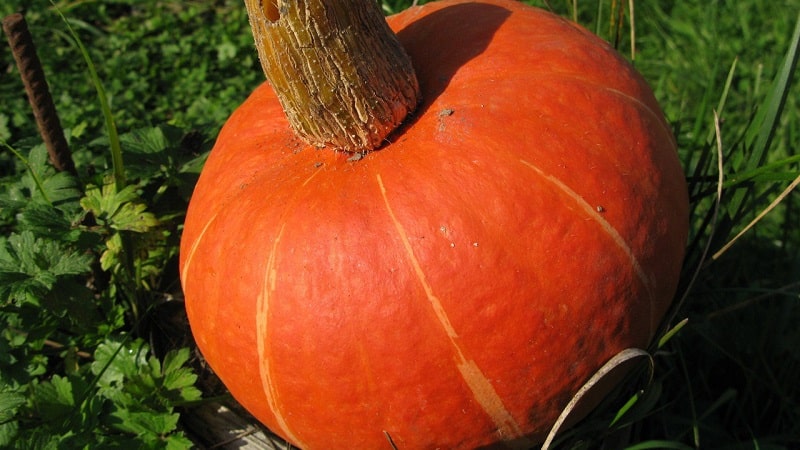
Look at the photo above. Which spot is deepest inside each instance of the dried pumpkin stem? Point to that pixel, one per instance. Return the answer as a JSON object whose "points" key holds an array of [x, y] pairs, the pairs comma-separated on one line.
{"points": [[339, 71]]}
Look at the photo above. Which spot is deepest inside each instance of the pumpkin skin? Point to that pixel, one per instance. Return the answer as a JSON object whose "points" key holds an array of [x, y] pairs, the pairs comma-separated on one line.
{"points": [[455, 288]]}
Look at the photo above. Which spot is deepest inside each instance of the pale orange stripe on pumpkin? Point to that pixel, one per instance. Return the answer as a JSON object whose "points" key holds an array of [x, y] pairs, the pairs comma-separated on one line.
{"points": [[485, 394], [606, 227], [188, 261], [262, 310]]}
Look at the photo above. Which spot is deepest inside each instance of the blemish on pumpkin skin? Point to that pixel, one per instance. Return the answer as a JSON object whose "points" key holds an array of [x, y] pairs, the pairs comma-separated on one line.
{"points": [[357, 156], [447, 112]]}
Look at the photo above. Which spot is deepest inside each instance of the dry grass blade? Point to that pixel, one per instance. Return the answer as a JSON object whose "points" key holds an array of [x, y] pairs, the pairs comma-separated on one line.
{"points": [[758, 218], [389, 438], [787, 290], [633, 30], [619, 359], [714, 215]]}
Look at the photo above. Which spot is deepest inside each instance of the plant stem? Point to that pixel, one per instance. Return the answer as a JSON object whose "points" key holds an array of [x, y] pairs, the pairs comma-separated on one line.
{"points": [[339, 71]]}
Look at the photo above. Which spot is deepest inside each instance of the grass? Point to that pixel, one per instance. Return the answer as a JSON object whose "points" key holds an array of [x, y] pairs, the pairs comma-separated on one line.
{"points": [[173, 71]]}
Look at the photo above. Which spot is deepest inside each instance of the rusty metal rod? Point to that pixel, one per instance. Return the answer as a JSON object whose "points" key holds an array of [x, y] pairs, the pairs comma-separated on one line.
{"points": [[30, 70]]}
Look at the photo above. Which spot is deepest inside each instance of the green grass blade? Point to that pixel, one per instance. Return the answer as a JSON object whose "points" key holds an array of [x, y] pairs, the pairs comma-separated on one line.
{"points": [[665, 445], [760, 216], [618, 360], [770, 172], [767, 118], [638, 406], [111, 127], [759, 135], [724, 97], [671, 332]]}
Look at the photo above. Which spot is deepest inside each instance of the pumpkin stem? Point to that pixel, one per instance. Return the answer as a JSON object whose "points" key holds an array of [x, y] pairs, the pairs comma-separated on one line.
{"points": [[337, 68]]}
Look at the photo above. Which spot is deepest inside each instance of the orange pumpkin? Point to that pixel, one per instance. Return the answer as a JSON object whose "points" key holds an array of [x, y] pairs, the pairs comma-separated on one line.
{"points": [[455, 288]]}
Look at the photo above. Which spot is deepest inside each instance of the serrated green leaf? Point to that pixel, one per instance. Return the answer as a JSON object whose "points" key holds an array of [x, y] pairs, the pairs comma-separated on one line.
{"points": [[147, 152], [32, 180], [8, 433], [43, 183], [32, 255], [144, 141], [175, 359], [145, 422], [42, 219], [111, 254], [58, 398], [40, 439], [177, 441], [62, 187], [179, 378], [72, 301], [134, 217], [121, 210], [37, 159], [30, 266], [116, 362], [9, 402], [104, 202]]}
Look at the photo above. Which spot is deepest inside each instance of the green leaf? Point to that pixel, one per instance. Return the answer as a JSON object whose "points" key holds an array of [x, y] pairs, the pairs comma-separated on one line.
{"points": [[43, 220], [62, 187], [9, 430], [178, 378], [34, 163], [145, 422], [9, 402], [115, 362], [111, 255], [149, 152], [30, 266], [42, 182], [119, 210], [177, 441], [174, 360], [145, 141], [58, 398], [134, 217]]}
